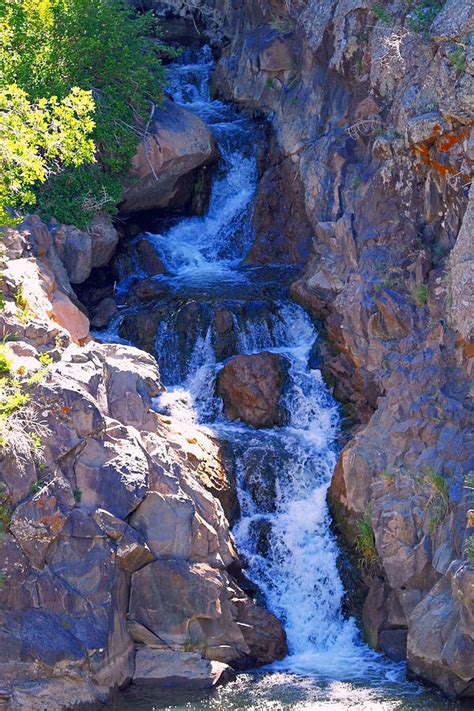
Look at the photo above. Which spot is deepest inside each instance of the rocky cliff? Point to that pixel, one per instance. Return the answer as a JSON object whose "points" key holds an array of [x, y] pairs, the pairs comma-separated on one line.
{"points": [[116, 561], [368, 187]]}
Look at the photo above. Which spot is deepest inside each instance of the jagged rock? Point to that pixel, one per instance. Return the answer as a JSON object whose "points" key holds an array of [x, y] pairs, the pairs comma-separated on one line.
{"points": [[441, 633], [74, 248], [81, 251], [166, 523], [111, 471], [251, 387], [104, 240], [186, 603], [454, 20], [461, 309], [178, 142], [185, 670]]}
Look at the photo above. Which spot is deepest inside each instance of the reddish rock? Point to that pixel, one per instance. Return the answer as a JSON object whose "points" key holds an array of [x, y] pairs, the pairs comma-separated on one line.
{"points": [[251, 387], [178, 142]]}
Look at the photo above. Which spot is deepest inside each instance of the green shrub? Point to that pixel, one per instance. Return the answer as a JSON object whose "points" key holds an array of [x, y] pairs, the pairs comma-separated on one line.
{"points": [[282, 24], [381, 13], [365, 541], [5, 362], [458, 58], [421, 294], [47, 50], [438, 503], [421, 16]]}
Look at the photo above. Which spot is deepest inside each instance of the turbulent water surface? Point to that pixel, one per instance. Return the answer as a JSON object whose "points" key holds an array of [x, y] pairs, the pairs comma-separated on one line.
{"points": [[283, 535]]}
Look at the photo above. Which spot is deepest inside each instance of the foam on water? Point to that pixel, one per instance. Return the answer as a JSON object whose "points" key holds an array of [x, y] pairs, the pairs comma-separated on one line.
{"points": [[282, 474]]}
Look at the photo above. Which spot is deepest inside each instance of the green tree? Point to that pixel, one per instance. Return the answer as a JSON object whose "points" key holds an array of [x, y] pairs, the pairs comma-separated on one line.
{"points": [[38, 140], [47, 47]]}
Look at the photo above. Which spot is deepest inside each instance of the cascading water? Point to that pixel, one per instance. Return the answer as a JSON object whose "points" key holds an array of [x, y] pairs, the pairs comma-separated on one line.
{"points": [[283, 534]]}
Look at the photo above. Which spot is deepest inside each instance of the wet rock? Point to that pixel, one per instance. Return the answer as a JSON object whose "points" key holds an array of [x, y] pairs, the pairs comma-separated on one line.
{"points": [[251, 387], [103, 313], [183, 670], [178, 142], [148, 257]]}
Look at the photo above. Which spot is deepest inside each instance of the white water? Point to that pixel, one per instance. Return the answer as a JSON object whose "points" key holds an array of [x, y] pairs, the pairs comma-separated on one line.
{"points": [[297, 573], [283, 474]]}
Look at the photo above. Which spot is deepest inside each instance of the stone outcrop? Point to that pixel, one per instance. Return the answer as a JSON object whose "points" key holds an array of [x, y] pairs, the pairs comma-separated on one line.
{"points": [[176, 144], [115, 553], [251, 387], [373, 121]]}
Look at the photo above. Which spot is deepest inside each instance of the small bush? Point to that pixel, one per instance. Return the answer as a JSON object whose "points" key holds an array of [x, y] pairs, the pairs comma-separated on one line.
{"points": [[422, 15], [381, 13], [283, 25], [438, 503], [421, 294], [458, 58], [37, 487], [77, 493], [5, 362], [365, 541], [45, 359]]}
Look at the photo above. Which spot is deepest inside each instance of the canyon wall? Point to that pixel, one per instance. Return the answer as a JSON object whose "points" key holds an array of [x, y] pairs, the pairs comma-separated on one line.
{"points": [[367, 186]]}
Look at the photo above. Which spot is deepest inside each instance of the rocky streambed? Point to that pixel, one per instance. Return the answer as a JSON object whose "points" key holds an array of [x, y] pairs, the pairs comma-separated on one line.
{"points": [[118, 563]]}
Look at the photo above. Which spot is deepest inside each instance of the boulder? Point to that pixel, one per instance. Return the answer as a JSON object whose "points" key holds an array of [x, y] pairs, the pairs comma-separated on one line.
{"points": [[194, 605], [103, 313], [104, 239], [441, 633], [83, 250], [185, 670], [112, 471], [149, 258], [251, 387], [177, 143]]}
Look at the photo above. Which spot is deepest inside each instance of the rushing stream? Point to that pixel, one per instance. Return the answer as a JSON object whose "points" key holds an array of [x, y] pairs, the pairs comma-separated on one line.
{"points": [[283, 534]]}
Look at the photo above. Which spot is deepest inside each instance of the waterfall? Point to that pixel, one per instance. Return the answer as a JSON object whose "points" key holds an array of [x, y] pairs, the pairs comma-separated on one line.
{"points": [[283, 474], [283, 534]]}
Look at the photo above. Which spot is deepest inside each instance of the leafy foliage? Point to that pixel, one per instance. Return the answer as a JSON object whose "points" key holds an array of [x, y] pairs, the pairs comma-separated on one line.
{"points": [[38, 140], [49, 47], [365, 541], [422, 14]]}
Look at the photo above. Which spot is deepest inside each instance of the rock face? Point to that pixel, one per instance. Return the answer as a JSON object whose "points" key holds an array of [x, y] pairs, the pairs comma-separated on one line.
{"points": [[111, 546], [373, 129], [186, 670], [251, 387], [80, 251], [177, 143]]}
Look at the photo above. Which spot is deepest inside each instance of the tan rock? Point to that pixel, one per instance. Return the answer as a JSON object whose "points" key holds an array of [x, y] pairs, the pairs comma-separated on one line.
{"points": [[179, 669], [178, 143], [69, 317]]}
